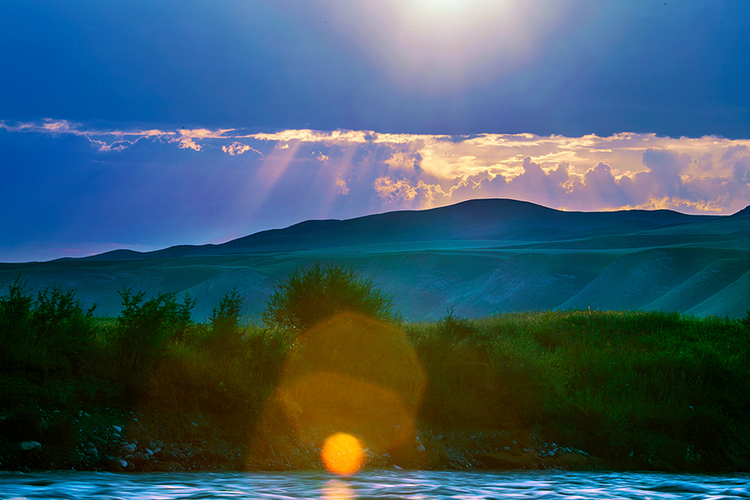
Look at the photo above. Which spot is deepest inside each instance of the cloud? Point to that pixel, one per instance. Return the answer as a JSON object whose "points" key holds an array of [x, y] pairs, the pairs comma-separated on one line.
{"points": [[624, 170], [103, 140], [392, 190], [237, 148], [341, 184], [333, 137], [187, 137]]}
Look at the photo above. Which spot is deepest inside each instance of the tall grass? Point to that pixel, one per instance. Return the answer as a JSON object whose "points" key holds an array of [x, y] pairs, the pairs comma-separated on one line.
{"points": [[665, 388]]}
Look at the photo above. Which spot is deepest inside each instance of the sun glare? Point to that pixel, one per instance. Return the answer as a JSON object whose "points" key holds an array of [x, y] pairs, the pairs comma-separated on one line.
{"points": [[342, 454], [440, 5], [337, 490]]}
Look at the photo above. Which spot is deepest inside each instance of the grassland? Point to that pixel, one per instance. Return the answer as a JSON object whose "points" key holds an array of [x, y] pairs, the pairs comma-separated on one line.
{"points": [[634, 389]]}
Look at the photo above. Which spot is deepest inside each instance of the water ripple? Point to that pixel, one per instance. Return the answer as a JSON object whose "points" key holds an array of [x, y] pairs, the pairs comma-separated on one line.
{"points": [[394, 485]]}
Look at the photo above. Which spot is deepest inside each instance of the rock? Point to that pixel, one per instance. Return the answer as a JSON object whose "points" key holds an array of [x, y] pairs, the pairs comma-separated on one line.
{"points": [[514, 449], [437, 455], [115, 465], [29, 445], [129, 448], [92, 451]]}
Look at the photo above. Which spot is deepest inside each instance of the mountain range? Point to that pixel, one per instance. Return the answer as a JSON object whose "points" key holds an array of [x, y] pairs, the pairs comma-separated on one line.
{"points": [[479, 257]]}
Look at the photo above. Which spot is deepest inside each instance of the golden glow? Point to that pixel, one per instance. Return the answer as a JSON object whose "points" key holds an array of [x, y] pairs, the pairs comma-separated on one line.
{"points": [[337, 490], [342, 454], [349, 373]]}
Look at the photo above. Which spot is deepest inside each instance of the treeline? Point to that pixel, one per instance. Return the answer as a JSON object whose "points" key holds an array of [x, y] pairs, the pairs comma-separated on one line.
{"points": [[659, 388]]}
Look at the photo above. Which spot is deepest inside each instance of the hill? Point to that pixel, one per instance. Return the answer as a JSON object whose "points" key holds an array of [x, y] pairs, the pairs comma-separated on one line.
{"points": [[481, 257]]}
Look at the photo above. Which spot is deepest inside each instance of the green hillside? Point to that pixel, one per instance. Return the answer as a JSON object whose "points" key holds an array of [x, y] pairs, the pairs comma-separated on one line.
{"points": [[480, 257]]}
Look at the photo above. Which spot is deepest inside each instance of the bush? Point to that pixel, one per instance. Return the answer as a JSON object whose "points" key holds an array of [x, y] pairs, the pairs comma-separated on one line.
{"points": [[53, 331], [746, 320], [62, 324], [225, 317], [15, 322], [312, 295], [143, 328], [454, 328]]}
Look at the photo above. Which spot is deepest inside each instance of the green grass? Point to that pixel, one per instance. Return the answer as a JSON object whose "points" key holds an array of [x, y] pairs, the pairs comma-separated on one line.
{"points": [[659, 387], [662, 389]]}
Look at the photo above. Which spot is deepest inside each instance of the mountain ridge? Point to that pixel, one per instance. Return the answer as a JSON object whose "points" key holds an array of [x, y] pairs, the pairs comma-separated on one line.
{"points": [[479, 257], [481, 219]]}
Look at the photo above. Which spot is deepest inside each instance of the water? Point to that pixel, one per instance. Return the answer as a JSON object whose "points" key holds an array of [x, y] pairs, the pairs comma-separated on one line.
{"points": [[373, 484]]}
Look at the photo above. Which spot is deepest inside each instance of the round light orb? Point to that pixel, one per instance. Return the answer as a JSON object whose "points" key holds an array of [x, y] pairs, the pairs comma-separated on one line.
{"points": [[342, 454]]}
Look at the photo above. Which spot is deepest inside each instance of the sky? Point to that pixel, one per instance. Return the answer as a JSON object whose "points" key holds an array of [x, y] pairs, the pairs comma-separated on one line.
{"points": [[146, 124]]}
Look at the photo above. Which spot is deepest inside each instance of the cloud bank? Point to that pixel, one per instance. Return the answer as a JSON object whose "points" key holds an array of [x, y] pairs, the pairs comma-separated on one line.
{"points": [[212, 185]]}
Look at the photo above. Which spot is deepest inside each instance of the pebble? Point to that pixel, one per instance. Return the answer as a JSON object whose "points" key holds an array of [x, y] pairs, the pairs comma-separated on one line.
{"points": [[30, 445]]}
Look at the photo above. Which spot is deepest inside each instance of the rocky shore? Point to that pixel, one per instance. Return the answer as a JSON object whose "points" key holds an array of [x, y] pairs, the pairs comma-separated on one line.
{"points": [[104, 439], [117, 440]]}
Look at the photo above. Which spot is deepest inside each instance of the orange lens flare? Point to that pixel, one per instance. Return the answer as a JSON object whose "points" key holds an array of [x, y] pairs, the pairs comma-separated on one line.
{"points": [[342, 454]]}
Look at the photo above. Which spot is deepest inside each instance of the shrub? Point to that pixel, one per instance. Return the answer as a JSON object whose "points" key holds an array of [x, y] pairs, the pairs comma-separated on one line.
{"points": [[62, 324], [144, 327], [15, 322], [183, 317], [312, 295], [746, 320], [51, 332], [454, 328], [225, 317]]}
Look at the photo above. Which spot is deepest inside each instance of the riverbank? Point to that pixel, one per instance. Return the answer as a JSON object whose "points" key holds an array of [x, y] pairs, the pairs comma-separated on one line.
{"points": [[105, 439], [109, 440], [151, 390]]}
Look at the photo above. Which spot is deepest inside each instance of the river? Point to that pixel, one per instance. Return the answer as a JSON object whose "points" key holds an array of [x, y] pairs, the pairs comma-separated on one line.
{"points": [[372, 484]]}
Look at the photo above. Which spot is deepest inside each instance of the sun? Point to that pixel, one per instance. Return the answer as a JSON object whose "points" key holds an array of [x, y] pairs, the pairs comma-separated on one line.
{"points": [[440, 5], [342, 454], [454, 6]]}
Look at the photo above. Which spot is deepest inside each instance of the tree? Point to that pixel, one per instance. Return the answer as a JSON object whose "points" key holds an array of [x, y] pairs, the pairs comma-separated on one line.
{"points": [[311, 295], [225, 317]]}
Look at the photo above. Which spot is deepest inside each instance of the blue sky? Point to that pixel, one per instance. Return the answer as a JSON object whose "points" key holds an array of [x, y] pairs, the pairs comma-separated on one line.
{"points": [[142, 124]]}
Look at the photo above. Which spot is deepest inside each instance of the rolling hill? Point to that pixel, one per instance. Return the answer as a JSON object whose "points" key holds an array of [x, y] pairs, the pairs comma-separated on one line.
{"points": [[480, 257]]}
